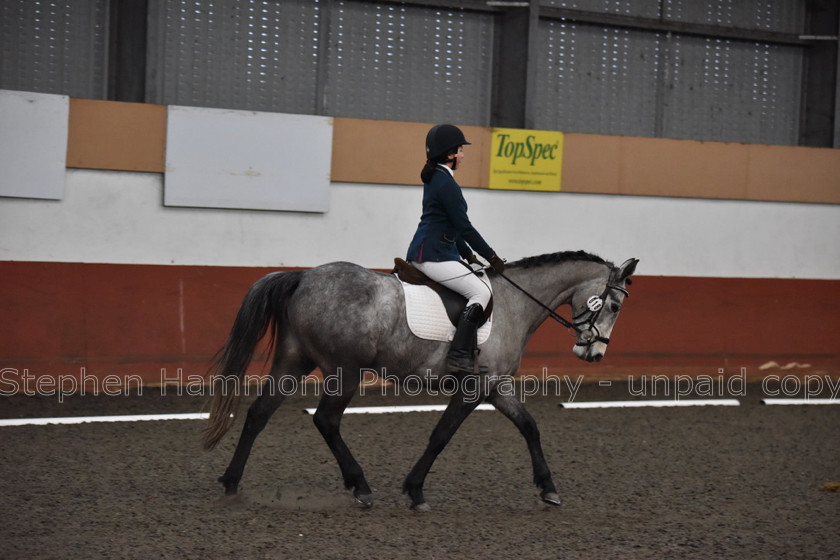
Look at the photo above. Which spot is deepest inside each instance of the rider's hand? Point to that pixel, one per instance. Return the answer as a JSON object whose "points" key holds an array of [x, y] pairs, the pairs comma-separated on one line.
{"points": [[497, 263]]}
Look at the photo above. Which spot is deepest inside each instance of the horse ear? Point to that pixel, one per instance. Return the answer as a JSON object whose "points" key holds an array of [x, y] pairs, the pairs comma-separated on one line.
{"points": [[627, 269]]}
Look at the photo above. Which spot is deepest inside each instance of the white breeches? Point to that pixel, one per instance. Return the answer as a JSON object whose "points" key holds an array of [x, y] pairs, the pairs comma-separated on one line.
{"points": [[456, 277]]}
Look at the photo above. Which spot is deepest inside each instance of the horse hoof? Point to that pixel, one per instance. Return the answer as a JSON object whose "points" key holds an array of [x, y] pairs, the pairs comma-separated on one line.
{"points": [[551, 498], [422, 507], [365, 501], [231, 485]]}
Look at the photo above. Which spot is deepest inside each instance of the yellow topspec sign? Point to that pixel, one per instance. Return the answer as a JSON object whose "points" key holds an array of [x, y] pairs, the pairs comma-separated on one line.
{"points": [[526, 159]]}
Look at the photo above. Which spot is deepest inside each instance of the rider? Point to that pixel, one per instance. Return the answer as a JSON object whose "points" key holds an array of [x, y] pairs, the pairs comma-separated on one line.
{"points": [[445, 235]]}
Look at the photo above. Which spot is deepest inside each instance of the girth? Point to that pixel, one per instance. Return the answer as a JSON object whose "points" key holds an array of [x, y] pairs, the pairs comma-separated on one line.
{"points": [[453, 302]]}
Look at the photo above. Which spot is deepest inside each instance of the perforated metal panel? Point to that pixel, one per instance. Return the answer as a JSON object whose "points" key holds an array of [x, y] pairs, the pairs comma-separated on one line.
{"points": [[612, 80], [640, 8], [717, 89], [54, 46], [387, 60], [786, 16], [255, 55], [776, 15], [732, 91], [381, 60], [415, 64], [597, 80]]}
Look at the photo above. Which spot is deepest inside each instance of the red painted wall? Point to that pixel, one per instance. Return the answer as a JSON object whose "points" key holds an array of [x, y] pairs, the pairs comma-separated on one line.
{"points": [[679, 325], [149, 321], [116, 319]]}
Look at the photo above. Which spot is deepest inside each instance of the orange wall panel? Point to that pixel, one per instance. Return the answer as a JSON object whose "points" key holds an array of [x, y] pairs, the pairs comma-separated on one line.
{"points": [[390, 152], [604, 164], [783, 173], [595, 163], [382, 152], [115, 135], [662, 167], [132, 137], [591, 163]]}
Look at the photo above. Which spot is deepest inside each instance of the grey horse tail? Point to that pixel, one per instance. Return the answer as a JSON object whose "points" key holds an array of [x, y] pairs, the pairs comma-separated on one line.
{"points": [[264, 305]]}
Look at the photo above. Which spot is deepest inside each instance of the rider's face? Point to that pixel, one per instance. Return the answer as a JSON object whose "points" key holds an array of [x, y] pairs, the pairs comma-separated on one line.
{"points": [[456, 158]]}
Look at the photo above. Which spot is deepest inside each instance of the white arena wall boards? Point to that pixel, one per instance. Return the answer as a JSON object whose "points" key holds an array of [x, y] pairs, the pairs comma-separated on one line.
{"points": [[247, 160]]}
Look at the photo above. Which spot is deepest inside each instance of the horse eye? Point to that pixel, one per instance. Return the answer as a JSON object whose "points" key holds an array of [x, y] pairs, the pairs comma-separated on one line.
{"points": [[615, 308]]}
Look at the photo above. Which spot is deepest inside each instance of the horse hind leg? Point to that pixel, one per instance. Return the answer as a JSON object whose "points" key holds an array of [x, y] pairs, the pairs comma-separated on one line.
{"points": [[327, 419], [270, 399]]}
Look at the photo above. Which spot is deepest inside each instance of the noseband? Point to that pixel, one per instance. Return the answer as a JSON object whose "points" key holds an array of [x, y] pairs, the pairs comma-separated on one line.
{"points": [[588, 334]]}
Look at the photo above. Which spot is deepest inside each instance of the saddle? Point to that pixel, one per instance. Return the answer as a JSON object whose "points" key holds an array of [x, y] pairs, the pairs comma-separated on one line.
{"points": [[453, 302]]}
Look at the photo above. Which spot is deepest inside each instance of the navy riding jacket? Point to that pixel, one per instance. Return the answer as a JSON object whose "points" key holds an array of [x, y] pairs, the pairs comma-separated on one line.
{"points": [[445, 232]]}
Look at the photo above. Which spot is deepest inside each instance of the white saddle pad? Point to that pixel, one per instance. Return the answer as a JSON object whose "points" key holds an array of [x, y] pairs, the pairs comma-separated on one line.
{"points": [[427, 317]]}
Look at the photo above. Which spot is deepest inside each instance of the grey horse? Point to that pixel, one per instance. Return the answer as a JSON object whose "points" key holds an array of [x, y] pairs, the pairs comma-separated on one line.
{"points": [[347, 320]]}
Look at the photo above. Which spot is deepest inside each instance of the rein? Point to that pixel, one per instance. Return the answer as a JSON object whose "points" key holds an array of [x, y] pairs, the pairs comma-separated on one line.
{"points": [[551, 313], [594, 304]]}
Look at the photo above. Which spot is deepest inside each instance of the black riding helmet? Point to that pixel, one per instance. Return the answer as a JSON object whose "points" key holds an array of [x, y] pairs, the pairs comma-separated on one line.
{"points": [[442, 139]]}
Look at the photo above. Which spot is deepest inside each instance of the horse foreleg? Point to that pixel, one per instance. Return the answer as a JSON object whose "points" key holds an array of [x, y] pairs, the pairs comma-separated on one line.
{"points": [[515, 411], [328, 421], [456, 412], [258, 414]]}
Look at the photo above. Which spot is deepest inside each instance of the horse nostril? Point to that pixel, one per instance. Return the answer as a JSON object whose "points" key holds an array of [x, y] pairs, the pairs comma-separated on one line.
{"points": [[597, 357]]}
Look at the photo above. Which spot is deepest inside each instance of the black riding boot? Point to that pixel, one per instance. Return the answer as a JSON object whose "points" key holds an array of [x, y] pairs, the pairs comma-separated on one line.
{"points": [[464, 347]]}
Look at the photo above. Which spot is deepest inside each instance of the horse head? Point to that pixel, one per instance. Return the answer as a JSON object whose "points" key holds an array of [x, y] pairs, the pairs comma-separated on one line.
{"points": [[596, 305]]}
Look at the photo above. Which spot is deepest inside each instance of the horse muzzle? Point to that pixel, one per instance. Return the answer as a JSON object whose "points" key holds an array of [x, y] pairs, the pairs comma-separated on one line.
{"points": [[590, 346]]}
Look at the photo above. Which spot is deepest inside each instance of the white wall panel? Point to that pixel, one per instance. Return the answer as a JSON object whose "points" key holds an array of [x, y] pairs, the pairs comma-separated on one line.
{"points": [[249, 160], [33, 144], [114, 217]]}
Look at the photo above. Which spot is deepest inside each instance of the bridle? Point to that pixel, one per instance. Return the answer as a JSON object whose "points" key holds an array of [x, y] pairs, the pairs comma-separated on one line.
{"points": [[594, 306], [588, 334]]}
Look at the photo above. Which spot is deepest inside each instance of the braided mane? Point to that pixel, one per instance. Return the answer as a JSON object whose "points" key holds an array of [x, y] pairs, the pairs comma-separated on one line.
{"points": [[562, 256]]}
